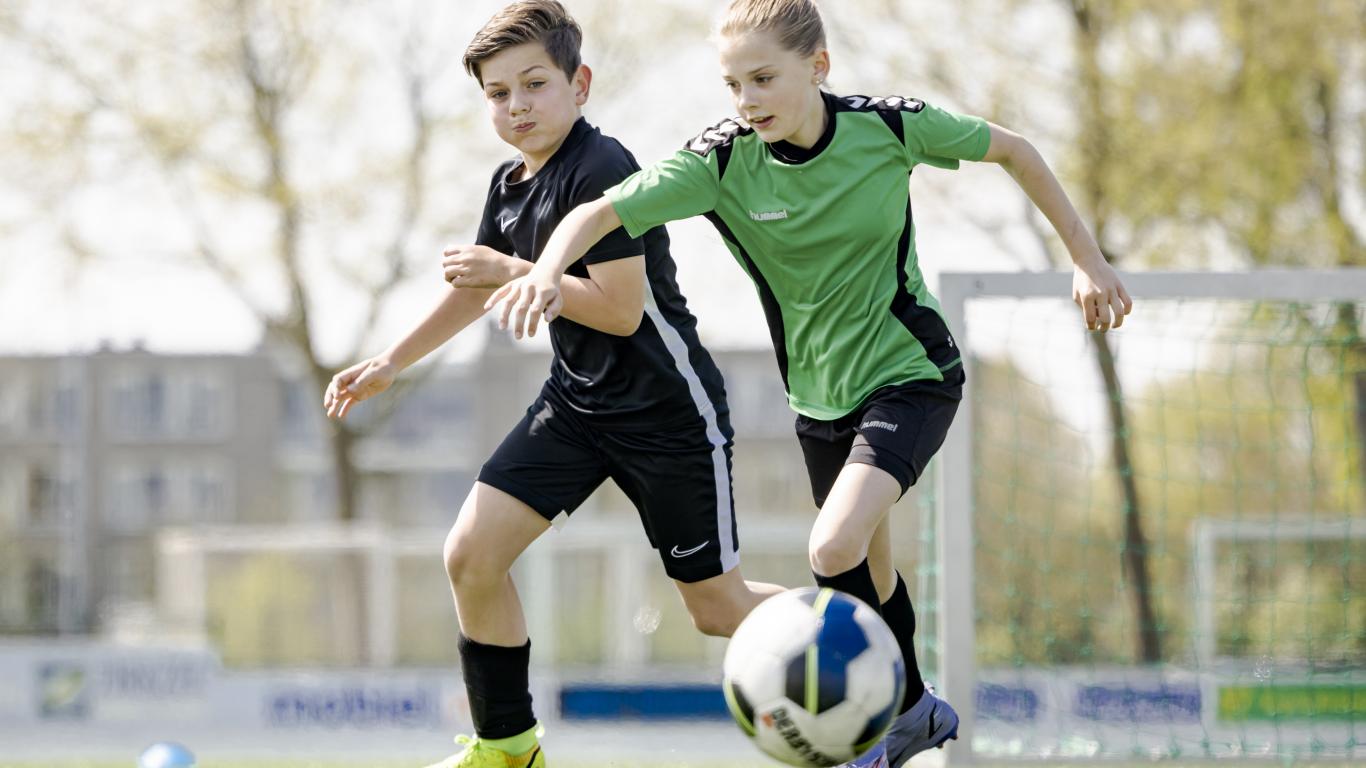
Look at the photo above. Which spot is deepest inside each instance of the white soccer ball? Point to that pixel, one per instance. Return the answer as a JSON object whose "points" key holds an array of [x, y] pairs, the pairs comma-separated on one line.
{"points": [[166, 754], [814, 676]]}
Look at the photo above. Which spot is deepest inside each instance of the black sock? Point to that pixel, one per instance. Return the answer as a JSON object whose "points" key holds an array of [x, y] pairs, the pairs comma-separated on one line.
{"points": [[900, 616], [857, 581], [497, 682]]}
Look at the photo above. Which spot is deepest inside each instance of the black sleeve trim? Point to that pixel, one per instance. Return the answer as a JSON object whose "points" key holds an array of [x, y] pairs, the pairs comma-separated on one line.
{"points": [[889, 108], [719, 139]]}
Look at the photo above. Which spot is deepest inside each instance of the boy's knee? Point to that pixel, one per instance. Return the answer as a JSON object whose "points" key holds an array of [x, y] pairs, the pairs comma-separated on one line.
{"points": [[462, 559], [716, 620]]}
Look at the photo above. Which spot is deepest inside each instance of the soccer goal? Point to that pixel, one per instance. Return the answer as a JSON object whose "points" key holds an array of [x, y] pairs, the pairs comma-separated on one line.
{"points": [[1152, 544]]}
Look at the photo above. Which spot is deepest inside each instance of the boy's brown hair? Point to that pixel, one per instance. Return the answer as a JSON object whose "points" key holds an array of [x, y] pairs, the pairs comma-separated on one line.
{"points": [[528, 21]]}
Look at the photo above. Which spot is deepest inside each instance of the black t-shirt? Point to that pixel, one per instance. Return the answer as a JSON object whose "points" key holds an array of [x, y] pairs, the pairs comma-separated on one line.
{"points": [[660, 377]]}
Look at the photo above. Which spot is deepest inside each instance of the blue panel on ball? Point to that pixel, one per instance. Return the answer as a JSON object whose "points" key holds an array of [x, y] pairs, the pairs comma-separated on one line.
{"points": [[839, 641], [166, 754]]}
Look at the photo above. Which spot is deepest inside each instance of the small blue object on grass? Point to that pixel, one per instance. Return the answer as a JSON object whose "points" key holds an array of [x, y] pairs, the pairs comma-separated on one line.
{"points": [[166, 754]]}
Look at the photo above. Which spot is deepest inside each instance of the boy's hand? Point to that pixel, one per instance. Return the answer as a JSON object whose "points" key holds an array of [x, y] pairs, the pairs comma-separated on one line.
{"points": [[525, 300], [478, 266], [359, 382], [1097, 289]]}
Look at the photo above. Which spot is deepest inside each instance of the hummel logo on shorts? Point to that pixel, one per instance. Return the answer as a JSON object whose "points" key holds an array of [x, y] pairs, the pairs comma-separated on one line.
{"points": [[878, 425], [676, 552]]}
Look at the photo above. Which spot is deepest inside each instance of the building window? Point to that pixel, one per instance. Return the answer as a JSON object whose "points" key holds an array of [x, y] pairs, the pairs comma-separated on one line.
{"points": [[49, 497], [207, 490], [148, 494], [158, 404], [139, 406], [205, 405], [12, 397]]}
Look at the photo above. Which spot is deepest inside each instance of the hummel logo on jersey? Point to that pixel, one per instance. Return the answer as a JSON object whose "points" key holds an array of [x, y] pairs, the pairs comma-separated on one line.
{"points": [[878, 425], [769, 215], [676, 552]]}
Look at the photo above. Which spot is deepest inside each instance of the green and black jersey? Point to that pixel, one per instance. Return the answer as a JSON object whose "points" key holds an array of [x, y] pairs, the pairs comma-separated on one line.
{"points": [[826, 235]]}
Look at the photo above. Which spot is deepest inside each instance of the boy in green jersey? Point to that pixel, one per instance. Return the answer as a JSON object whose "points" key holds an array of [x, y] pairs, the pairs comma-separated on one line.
{"points": [[809, 193]]}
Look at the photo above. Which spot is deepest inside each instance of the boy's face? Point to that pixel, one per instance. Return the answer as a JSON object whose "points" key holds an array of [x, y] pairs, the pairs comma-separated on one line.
{"points": [[531, 101], [775, 89]]}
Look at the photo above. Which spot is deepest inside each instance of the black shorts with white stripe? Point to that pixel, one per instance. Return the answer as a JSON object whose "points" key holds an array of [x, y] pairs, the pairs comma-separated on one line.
{"points": [[679, 480]]}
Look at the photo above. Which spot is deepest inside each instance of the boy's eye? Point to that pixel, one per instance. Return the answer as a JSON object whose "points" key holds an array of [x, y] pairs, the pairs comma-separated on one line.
{"points": [[498, 95], [761, 79], [732, 86], [535, 83]]}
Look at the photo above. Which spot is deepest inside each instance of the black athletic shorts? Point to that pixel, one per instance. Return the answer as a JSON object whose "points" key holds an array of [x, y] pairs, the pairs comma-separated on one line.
{"points": [[896, 429], [679, 480]]}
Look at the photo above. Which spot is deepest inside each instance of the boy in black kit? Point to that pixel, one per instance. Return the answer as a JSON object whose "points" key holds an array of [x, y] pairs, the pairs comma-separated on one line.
{"points": [[632, 395]]}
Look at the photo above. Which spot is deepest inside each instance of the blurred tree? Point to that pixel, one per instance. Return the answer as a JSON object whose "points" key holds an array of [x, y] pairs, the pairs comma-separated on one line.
{"points": [[294, 143], [304, 149]]}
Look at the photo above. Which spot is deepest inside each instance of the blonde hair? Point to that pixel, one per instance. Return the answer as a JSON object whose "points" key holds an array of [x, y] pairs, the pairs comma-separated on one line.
{"points": [[796, 23]]}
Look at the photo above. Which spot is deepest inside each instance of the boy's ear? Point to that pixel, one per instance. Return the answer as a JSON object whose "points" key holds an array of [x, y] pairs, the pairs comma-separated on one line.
{"points": [[583, 83]]}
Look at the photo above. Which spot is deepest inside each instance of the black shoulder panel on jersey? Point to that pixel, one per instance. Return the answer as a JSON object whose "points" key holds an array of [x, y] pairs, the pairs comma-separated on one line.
{"points": [[887, 107], [719, 139]]}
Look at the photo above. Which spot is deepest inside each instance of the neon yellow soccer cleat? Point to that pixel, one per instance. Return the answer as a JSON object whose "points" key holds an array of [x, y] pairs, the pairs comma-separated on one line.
{"points": [[478, 754]]}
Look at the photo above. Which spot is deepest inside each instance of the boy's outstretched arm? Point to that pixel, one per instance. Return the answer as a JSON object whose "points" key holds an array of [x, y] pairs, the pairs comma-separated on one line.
{"points": [[457, 309], [1096, 287], [526, 299]]}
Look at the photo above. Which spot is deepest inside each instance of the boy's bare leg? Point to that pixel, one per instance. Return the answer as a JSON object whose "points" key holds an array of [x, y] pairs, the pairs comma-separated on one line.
{"points": [[492, 531], [719, 604]]}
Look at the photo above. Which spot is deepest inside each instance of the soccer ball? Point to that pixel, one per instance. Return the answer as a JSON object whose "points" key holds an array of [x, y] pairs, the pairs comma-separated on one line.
{"points": [[166, 754], [814, 676]]}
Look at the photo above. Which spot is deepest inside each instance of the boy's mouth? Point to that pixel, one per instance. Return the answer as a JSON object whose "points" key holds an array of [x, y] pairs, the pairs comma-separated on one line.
{"points": [[761, 123], [523, 127]]}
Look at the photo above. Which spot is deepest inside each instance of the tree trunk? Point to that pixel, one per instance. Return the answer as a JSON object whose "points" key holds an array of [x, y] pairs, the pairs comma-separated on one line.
{"points": [[1135, 554], [1096, 147], [351, 597], [342, 442], [1361, 422]]}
